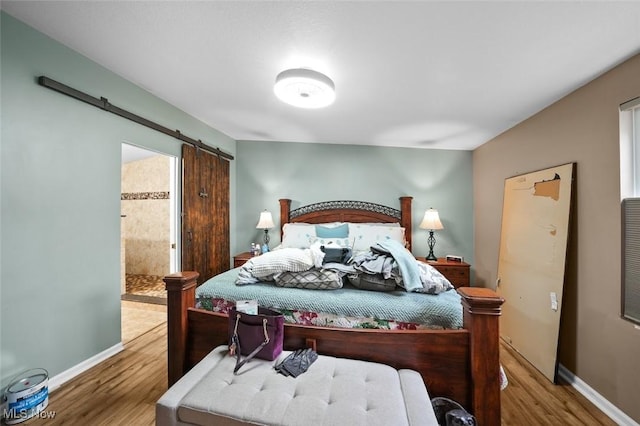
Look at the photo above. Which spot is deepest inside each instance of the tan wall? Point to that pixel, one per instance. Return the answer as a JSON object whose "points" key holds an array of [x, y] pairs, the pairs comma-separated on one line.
{"points": [[146, 225], [595, 343]]}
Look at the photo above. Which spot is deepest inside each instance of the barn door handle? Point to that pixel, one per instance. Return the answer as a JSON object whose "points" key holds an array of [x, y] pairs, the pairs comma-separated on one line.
{"points": [[203, 193]]}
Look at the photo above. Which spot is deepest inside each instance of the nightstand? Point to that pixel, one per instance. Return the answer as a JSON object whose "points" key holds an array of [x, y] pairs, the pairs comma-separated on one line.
{"points": [[456, 272], [241, 258]]}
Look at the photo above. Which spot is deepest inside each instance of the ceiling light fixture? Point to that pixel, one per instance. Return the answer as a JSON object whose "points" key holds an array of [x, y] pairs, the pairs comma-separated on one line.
{"points": [[304, 88]]}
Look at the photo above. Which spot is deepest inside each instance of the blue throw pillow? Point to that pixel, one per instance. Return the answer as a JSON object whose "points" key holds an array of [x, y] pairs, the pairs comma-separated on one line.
{"points": [[341, 231]]}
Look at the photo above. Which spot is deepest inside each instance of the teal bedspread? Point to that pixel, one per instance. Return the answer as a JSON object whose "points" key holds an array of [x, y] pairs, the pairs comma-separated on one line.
{"points": [[443, 310]]}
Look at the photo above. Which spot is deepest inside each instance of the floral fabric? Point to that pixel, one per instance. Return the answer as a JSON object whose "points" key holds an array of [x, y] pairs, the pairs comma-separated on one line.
{"points": [[318, 319]]}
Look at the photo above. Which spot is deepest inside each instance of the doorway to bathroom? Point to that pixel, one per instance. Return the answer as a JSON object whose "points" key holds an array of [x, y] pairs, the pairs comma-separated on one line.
{"points": [[148, 223]]}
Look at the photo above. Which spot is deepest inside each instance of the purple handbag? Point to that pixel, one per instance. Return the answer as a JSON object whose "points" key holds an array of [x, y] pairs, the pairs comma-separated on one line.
{"points": [[258, 336]]}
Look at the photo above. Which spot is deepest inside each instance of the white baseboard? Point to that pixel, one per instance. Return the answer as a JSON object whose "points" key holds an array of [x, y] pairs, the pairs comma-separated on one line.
{"points": [[598, 400], [60, 379]]}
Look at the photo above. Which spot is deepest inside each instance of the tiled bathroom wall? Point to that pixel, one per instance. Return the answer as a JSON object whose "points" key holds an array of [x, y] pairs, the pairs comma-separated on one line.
{"points": [[145, 205]]}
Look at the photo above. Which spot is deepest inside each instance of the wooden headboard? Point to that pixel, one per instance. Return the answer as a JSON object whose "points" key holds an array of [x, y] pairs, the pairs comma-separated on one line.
{"points": [[348, 211]]}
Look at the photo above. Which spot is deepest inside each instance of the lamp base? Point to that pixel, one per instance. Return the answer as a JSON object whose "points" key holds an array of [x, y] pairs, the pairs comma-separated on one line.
{"points": [[431, 241], [265, 246]]}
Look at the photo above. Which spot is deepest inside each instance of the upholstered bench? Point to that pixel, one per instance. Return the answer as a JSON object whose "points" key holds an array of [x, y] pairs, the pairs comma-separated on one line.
{"points": [[334, 391]]}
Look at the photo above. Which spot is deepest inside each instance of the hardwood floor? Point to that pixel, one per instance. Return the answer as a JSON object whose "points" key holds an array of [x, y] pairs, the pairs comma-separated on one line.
{"points": [[124, 389], [532, 399]]}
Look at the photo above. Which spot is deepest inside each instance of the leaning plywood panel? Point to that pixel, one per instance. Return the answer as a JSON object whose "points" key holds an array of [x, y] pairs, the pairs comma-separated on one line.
{"points": [[531, 269]]}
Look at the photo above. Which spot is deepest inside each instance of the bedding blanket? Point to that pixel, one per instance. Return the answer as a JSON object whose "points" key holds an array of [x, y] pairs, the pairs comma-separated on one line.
{"points": [[406, 263], [390, 259], [433, 311]]}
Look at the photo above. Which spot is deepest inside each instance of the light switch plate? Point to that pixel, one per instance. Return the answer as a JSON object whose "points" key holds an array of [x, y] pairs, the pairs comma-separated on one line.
{"points": [[554, 301]]}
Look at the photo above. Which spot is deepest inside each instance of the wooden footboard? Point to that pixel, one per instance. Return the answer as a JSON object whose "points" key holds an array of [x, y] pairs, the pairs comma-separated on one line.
{"points": [[458, 364]]}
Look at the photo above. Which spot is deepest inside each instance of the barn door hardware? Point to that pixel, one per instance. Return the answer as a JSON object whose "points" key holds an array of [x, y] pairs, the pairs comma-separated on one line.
{"points": [[104, 104], [203, 193]]}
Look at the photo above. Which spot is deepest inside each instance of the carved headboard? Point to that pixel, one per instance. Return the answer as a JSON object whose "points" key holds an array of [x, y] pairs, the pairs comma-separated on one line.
{"points": [[348, 211]]}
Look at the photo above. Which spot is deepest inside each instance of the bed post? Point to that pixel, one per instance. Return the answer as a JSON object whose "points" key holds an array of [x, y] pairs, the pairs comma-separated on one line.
{"points": [[181, 294], [285, 207], [405, 218], [481, 316]]}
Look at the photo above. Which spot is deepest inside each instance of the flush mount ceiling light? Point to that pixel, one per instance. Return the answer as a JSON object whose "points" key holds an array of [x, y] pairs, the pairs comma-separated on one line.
{"points": [[304, 88]]}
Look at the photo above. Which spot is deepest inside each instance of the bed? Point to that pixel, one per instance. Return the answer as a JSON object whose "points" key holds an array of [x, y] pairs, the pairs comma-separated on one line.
{"points": [[462, 363]]}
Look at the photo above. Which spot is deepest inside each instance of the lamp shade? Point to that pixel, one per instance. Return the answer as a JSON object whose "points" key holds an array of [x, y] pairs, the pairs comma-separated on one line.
{"points": [[304, 88], [266, 220], [431, 220]]}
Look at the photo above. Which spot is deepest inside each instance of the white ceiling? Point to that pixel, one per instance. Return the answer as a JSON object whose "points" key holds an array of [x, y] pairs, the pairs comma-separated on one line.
{"points": [[427, 74]]}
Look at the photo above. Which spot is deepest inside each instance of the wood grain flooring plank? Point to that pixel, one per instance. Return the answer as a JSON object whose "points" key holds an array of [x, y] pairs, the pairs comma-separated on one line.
{"points": [[532, 398], [122, 390]]}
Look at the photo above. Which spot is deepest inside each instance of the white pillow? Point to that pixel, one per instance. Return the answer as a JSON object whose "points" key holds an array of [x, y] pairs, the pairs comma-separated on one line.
{"points": [[283, 260], [364, 235], [334, 242], [298, 235]]}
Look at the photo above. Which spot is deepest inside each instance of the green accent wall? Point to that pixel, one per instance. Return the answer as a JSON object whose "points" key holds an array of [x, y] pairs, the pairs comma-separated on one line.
{"points": [[60, 199], [309, 173]]}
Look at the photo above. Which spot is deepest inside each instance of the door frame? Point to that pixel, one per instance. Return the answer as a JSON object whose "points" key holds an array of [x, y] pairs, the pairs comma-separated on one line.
{"points": [[175, 195]]}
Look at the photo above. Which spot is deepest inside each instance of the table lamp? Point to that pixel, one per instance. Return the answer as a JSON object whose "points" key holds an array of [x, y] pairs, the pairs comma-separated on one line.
{"points": [[431, 221]]}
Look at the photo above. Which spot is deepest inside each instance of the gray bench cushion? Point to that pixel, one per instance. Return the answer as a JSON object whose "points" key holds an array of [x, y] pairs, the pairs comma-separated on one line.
{"points": [[333, 391]]}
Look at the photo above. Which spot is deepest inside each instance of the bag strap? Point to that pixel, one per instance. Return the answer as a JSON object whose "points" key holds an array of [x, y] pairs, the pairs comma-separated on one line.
{"points": [[236, 341]]}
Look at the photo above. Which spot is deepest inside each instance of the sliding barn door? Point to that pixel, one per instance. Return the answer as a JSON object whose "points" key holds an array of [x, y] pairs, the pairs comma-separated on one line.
{"points": [[205, 213]]}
